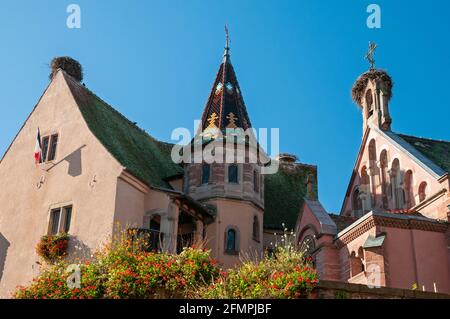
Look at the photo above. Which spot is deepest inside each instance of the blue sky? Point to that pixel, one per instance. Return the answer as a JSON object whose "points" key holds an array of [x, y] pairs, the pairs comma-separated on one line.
{"points": [[296, 61]]}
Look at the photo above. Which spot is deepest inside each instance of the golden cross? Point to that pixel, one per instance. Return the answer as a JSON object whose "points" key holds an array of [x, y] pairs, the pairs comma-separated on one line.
{"points": [[212, 119], [370, 54], [232, 118]]}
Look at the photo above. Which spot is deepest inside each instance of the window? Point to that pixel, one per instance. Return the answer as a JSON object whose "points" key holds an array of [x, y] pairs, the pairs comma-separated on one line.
{"points": [[233, 174], [422, 191], [231, 240], [45, 141], [397, 187], [409, 196], [357, 203], [256, 228], [255, 181], [49, 144], [155, 223], [206, 171], [60, 220], [384, 179], [369, 103]]}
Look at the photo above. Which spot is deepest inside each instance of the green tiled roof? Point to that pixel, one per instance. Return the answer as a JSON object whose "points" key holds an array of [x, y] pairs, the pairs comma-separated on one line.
{"points": [[342, 221], [436, 151], [143, 156], [284, 195]]}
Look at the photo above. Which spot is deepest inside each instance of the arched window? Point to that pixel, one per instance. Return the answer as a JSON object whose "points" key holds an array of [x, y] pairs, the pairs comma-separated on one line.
{"points": [[409, 195], [365, 180], [373, 165], [422, 191], [365, 189], [255, 181], [396, 183], [369, 103], [233, 173], [155, 222], [256, 228], [231, 241], [372, 151], [357, 203], [206, 172], [384, 179]]}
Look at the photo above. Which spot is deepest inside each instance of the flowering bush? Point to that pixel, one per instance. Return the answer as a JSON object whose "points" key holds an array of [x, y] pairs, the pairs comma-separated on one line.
{"points": [[122, 270], [52, 248], [284, 275]]}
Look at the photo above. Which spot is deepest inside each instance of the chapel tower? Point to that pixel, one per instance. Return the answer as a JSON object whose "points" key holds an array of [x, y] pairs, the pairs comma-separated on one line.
{"points": [[372, 91]]}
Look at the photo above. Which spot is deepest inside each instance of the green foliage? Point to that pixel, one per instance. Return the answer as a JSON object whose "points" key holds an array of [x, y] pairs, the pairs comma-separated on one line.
{"points": [[121, 270], [284, 275]]}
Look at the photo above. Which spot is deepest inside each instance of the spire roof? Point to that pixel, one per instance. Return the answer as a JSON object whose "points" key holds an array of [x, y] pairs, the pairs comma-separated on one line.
{"points": [[225, 107]]}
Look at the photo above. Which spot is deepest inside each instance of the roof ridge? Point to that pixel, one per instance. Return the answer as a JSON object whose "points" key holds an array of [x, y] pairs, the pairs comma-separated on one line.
{"points": [[422, 138]]}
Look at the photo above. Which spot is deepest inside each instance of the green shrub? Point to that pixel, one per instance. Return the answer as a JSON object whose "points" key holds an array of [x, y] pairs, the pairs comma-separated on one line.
{"points": [[285, 275], [122, 270]]}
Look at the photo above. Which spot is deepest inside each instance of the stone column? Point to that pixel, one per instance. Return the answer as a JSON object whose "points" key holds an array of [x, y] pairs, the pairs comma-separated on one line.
{"points": [[372, 172], [169, 228], [198, 232]]}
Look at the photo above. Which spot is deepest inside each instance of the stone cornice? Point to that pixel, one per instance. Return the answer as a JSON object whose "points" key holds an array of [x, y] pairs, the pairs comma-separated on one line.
{"points": [[392, 222]]}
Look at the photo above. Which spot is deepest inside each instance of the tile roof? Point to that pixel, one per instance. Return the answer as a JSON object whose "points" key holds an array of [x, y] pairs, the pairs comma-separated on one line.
{"points": [[435, 150], [284, 194], [142, 155], [432, 155], [225, 98], [342, 221], [327, 225]]}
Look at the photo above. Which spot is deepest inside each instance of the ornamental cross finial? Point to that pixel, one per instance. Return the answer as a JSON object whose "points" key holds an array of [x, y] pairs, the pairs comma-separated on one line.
{"points": [[370, 54], [232, 120], [212, 121]]}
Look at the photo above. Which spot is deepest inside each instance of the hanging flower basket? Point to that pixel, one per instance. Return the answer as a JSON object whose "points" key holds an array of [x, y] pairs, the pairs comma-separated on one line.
{"points": [[52, 248]]}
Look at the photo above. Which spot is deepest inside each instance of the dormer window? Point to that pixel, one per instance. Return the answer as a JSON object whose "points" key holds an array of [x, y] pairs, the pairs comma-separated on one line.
{"points": [[49, 145]]}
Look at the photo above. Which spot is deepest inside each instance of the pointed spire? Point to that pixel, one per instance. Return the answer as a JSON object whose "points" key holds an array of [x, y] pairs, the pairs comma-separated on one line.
{"points": [[225, 107], [226, 53]]}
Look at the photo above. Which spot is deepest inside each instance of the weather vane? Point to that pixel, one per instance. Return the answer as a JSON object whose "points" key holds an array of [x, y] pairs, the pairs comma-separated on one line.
{"points": [[370, 54]]}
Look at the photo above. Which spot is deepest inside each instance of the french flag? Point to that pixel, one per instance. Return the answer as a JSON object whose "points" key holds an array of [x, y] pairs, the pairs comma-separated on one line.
{"points": [[38, 149]]}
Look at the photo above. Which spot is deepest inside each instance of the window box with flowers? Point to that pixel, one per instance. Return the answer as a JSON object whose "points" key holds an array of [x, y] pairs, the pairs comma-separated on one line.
{"points": [[52, 248]]}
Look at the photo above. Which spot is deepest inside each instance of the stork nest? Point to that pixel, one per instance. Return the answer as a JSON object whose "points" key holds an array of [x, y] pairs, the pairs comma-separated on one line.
{"points": [[361, 83], [70, 66]]}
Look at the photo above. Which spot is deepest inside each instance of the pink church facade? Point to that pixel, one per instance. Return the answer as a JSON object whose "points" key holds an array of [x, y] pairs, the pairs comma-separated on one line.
{"points": [[393, 227]]}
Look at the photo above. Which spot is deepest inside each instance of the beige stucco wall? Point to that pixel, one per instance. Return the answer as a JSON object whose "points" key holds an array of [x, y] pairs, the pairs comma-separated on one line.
{"points": [[83, 174], [238, 214]]}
